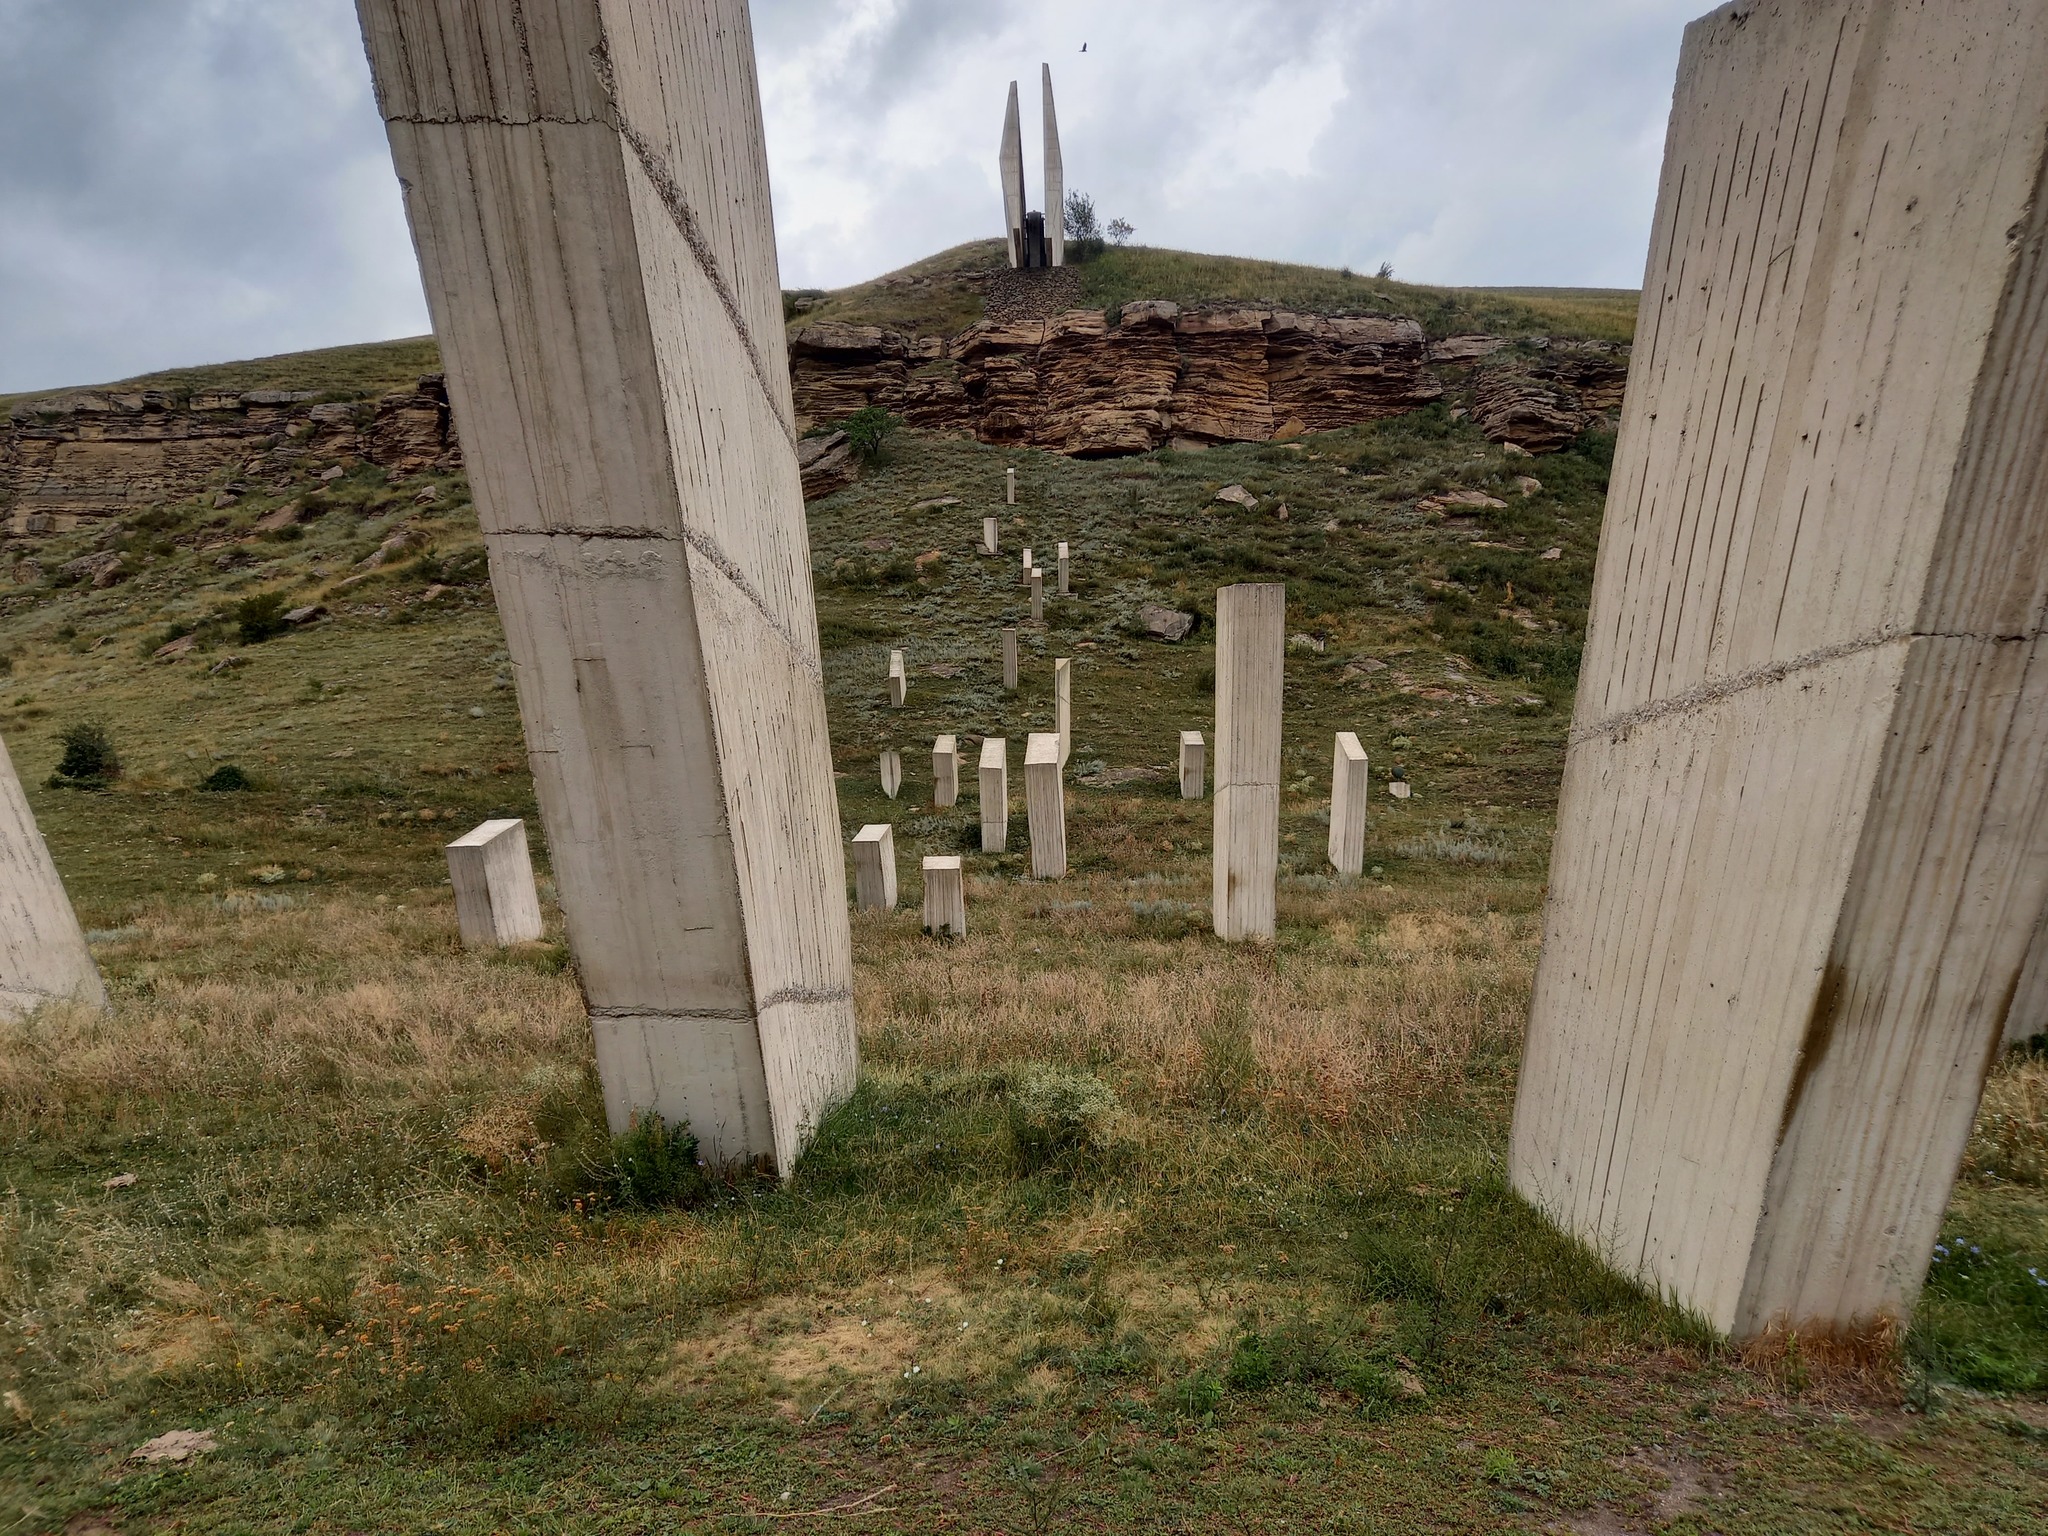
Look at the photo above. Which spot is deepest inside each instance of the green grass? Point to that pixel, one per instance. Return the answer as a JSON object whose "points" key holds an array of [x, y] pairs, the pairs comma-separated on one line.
{"points": [[355, 372], [1263, 1273]]}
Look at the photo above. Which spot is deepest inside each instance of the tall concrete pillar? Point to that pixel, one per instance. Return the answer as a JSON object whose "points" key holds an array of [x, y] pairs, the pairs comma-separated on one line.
{"points": [[1010, 162], [1803, 838], [1055, 196], [43, 956], [1251, 642], [588, 193]]}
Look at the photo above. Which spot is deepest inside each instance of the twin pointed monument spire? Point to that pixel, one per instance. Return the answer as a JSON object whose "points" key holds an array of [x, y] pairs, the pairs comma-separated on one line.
{"points": [[1036, 239]]}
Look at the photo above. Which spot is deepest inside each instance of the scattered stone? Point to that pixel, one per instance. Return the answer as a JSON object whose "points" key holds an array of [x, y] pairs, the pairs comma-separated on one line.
{"points": [[434, 590], [878, 546], [306, 615], [28, 572], [826, 464], [1290, 429], [176, 1445], [1238, 495], [426, 495], [283, 517], [400, 542], [121, 1181], [1529, 485], [1458, 413], [1409, 1384], [1516, 451], [1307, 643], [224, 499], [332, 473], [103, 569], [1330, 526], [267, 874], [225, 664], [935, 502], [1444, 499], [1281, 512], [1166, 624], [476, 711], [1552, 553], [929, 558], [171, 650]]}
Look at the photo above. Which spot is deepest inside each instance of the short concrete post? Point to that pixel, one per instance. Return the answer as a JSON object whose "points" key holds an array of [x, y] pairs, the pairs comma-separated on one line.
{"points": [[598, 256], [1024, 577], [945, 771], [1063, 705], [1399, 789], [874, 866], [1010, 486], [1062, 555], [989, 536], [994, 778], [899, 680], [495, 899], [945, 896], [1010, 660], [1251, 643], [43, 953], [1801, 846], [1192, 752], [1349, 786], [1045, 805], [892, 771], [1037, 595]]}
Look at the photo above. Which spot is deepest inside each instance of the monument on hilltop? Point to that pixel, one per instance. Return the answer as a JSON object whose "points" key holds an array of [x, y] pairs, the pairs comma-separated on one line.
{"points": [[1035, 239]]}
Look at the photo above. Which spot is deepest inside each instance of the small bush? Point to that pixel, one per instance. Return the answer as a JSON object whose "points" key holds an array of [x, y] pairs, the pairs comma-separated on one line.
{"points": [[89, 760], [225, 779], [260, 617], [656, 1165], [1059, 1118], [868, 431]]}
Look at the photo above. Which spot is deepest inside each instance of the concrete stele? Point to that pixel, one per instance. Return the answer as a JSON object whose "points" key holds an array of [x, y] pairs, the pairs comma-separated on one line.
{"points": [[1010, 165], [990, 537], [874, 866], [1063, 705], [496, 902], [993, 776], [43, 953], [1024, 571], [1045, 805], [1061, 559], [945, 895], [1037, 595], [1251, 643], [899, 680], [1801, 843], [598, 255], [1192, 752], [1010, 660], [945, 771], [1010, 475], [1055, 180], [1350, 785], [892, 771]]}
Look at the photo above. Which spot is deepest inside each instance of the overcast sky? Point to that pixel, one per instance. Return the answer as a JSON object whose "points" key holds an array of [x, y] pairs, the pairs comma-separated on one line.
{"points": [[187, 181]]}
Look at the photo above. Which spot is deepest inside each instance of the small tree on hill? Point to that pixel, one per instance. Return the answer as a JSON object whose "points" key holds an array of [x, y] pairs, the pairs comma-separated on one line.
{"points": [[1120, 231], [1084, 230], [867, 432]]}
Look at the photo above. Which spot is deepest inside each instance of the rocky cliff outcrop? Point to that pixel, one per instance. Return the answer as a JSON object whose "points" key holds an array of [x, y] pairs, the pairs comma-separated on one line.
{"points": [[1542, 395], [96, 454], [1079, 383]]}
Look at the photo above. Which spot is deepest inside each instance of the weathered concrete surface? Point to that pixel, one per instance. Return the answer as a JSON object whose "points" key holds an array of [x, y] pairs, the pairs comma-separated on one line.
{"points": [[1192, 752], [496, 902], [945, 895], [874, 866], [43, 956], [1010, 659], [992, 777], [587, 189], [1251, 640], [1010, 166], [1350, 787], [1063, 705], [1045, 805], [891, 771], [1802, 842], [945, 771], [1055, 177]]}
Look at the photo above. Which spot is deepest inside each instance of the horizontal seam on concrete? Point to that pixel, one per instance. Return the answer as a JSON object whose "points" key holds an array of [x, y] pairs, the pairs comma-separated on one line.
{"points": [[704, 545], [1717, 688], [807, 995], [465, 120], [671, 1013]]}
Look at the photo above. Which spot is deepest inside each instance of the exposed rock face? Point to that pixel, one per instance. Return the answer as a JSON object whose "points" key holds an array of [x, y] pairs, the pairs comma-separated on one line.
{"points": [[1542, 398], [826, 464], [1077, 384], [90, 455]]}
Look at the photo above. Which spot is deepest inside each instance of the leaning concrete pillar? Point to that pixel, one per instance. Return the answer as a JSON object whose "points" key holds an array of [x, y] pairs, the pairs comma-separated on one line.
{"points": [[945, 771], [1064, 561], [993, 776], [1349, 787], [945, 896], [1251, 640], [1192, 752], [899, 680], [892, 771], [43, 955], [874, 866], [491, 870], [1037, 595], [588, 194], [1045, 805], [1010, 659], [1063, 705], [1804, 829]]}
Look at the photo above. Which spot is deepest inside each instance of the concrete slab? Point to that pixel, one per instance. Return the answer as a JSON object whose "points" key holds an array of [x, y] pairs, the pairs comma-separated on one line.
{"points": [[1350, 785], [945, 896], [874, 866], [993, 778], [1192, 752], [496, 901], [1251, 641], [892, 771], [945, 771], [43, 953], [1045, 806]]}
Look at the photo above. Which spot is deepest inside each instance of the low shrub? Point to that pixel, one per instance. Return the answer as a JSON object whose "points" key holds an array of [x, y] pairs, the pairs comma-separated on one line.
{"points": [[226, 779], [1059, 1118], [260, 617], [89, 760]]}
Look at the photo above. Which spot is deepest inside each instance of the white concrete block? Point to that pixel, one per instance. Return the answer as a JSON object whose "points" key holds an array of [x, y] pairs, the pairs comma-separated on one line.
{"points": [[1063, 705], [1803, 836], [989, 536], [892, 771], [899, 680], [1063, 568], [874, 866], [994, 780], [598, 257], [1037, 595], [1192, 752], [496, 902], [43, 953], [1010, 475], [945, 896], [1399, 789], [1350, 785], [1045, 806], [1024, 577], [945, 771], [1010, 660], [1251, 641], [1055, 179], [1010, 164]]}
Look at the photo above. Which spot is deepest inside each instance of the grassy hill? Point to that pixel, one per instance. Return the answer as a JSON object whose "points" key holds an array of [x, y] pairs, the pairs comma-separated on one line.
{"points": [[1267, 1273]]}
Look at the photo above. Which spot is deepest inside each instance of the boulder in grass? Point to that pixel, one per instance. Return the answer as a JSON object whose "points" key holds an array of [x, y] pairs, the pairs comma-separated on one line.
{"points": [[1168, 624], [1238, 495], [176, 1445]]}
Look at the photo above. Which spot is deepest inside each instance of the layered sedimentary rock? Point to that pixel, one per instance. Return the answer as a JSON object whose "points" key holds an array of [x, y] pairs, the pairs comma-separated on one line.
{"points": [[1078, 384], [95, 454], [1541, 395], [1802, 845]]}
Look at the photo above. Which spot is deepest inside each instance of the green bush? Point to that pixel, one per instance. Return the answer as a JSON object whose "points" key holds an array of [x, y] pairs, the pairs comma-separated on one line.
{"points": [[226, 779], [656, 1164], [867, 432], [1059, 1118], [89, 760], [260, 617]]}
